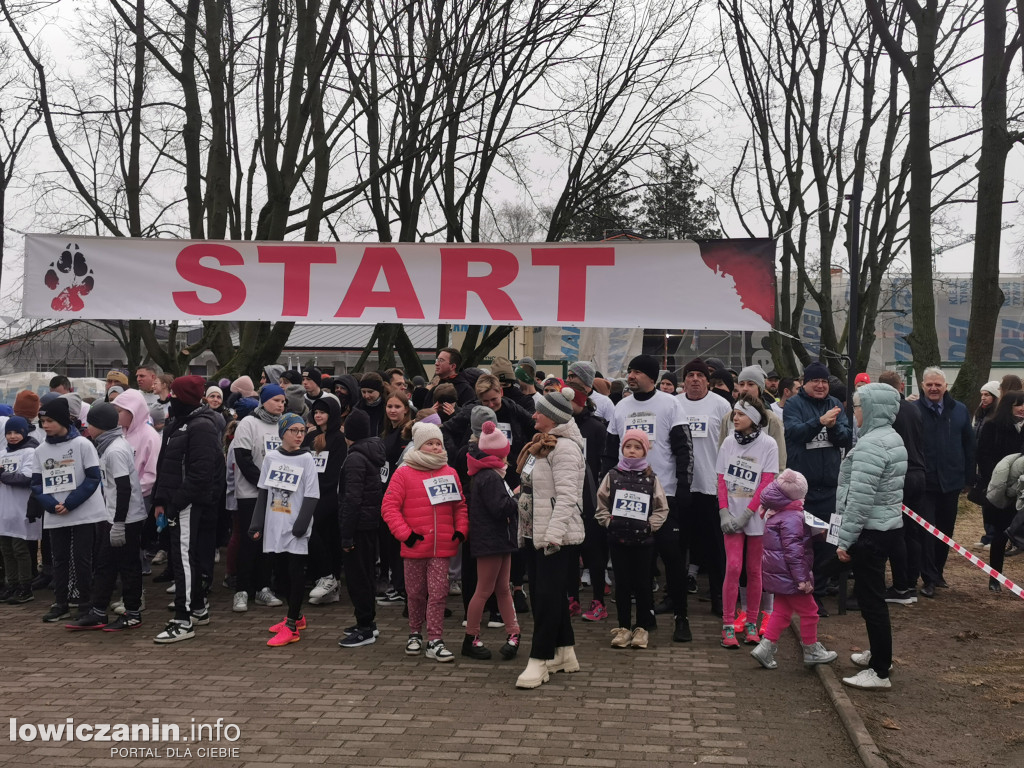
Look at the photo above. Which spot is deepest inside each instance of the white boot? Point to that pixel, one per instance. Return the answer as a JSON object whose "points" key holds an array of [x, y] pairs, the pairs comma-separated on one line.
{"points": [[535, 674], [565, 660]]}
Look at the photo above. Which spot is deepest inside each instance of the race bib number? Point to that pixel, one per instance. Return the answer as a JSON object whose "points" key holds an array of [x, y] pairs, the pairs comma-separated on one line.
{"points": [[814, 522], [11, 463], [59, 478], [631, 504], [320, 461], [642, 421], [528, 468], [820, 440], [698, 426], [832, 537], [506, 429], [284, 477], [271, 443], [385, 472], [743, 474], [442, 489]]}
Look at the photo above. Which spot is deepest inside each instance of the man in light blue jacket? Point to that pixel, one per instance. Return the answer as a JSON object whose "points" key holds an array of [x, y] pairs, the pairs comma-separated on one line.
{"points": [[869, 501]]}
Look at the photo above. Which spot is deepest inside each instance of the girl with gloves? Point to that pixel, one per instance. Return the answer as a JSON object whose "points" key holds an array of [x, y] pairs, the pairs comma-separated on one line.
{"points": [[747, 463]]}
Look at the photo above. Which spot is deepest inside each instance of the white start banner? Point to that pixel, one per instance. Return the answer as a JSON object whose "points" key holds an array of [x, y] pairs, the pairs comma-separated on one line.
{"points": [[724, 284]]}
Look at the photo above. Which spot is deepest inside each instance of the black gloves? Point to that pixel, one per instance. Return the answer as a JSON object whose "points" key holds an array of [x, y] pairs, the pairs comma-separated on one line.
{"points": [[413, 538], [458, 536]]}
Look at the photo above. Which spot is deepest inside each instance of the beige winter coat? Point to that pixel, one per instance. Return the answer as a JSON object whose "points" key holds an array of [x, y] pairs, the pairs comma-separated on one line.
{"points": [[557, 482]]}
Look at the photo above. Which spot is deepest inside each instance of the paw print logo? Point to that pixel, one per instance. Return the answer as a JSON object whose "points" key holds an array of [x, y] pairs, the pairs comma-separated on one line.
{"points": [[71, 277]]}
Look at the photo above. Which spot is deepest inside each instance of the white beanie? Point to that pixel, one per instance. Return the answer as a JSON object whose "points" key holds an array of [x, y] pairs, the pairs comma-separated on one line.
{"points": [[421, 432]]}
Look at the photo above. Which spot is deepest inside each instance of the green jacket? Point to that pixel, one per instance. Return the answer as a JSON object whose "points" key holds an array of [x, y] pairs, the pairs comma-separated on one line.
{"points": [[871, 476]]}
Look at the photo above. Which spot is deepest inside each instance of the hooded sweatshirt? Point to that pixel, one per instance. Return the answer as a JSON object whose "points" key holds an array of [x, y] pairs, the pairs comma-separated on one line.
{"points": [[143, 439], [121, 489]]}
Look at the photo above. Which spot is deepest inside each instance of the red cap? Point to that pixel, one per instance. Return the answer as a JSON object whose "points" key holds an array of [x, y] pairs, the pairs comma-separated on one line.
{"points": [[862, 378]]}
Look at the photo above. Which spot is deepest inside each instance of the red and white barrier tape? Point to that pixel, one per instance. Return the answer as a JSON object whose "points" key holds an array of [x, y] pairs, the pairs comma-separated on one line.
{"points": [[961, 551]]}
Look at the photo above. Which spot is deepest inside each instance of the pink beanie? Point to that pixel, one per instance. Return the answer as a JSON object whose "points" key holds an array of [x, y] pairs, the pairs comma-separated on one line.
{"points": [[792, 483], [493, 441], [243, 386], [640, 436]]}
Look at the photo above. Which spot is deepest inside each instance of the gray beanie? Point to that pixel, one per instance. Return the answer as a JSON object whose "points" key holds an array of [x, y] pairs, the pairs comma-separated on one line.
{"points": [[557, 406], [478, 416], [586, 372], [754, 373]]}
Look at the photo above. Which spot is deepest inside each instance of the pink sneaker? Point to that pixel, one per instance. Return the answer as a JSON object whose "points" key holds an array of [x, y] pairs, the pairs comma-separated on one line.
{"points": [[300, 624], [575, 609], [597, 611], [284, 636], [763, 624], [741, 619], [750, 636], [729, 637]]}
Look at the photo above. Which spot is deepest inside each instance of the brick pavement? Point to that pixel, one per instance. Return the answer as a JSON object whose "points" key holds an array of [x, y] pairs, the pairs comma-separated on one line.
{"points": [[315, 703]]}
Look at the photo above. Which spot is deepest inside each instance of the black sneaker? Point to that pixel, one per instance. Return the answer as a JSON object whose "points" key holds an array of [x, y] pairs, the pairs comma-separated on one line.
{"points": [[124, 622], [822, 610], [167, 575], [494, 620], [363, 636], [89, 621], [391, 597], [175, 632], [21, 596], [901, 596], [201, 618], [42, 581], [519, 602], [7, 593], [510, 648], [474, 648], [691, 585], [56, 613], [354, 627], [682, 632], [665, 606]]}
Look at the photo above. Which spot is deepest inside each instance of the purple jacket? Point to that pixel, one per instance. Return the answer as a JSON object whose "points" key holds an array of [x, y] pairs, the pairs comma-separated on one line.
{"points": [[788, 556]]}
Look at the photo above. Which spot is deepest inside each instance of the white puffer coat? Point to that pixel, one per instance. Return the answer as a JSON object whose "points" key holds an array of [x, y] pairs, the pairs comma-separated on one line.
{"points": [[557, 482]]}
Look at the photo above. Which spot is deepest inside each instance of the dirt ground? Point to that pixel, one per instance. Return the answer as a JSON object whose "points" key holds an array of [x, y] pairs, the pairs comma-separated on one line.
{"points": [[958, 670]]}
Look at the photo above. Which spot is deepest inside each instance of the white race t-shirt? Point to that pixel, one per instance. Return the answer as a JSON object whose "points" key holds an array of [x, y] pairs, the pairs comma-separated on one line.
{"points": [[705, 419], [603, 405], [259, 438], [288, 481], [742, 467], [14, 498], [118, 460], [62, 466], [655, 416]]}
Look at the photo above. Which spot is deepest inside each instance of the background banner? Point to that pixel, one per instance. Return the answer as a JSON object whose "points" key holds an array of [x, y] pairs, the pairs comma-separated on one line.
{"points": [[726, 284]]}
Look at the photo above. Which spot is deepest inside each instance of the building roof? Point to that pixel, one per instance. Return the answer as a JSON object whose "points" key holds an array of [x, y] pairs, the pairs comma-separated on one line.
{"points": [[348, 337]]}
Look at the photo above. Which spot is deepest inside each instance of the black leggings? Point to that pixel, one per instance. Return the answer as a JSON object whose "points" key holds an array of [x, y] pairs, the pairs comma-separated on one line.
{"points": [[1000, 519], [595, 555], [290, 570], [633, 578], [250, 568], [325, 540]]}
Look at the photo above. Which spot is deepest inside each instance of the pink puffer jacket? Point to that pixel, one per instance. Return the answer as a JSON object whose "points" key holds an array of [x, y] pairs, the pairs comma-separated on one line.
{"points": [[407, 509]]}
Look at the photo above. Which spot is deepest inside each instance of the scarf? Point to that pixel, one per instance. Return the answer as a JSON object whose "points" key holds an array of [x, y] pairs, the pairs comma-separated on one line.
{"points": [[632, 465], [424, 462], [747, 439], [266, 416], [485, 462], [541, 445]]}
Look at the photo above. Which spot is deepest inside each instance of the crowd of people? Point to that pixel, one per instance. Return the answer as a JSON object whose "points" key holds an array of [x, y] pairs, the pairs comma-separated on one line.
{"points": [[508, 487]]}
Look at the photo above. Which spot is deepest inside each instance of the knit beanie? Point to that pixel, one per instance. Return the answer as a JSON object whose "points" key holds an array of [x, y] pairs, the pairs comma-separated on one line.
{"points": [[286, 422], [640, 436], [117, 389], [313, 374], [26, 404], [357, 425], [103, 416], [214, 389], [585, 371], [557, 406], [294, 377], [671, 378], [992, 388], [189, 389], [372, 381], [58, 410], [18, 424], [646, 364], [478, 416], [117, 376], [792, 483], [421, 432], [432, 418], [49, 397], [493, 441], [754, 373], [243, 385], [270, 390], [697, 365], [529, 366], [815, 370]]}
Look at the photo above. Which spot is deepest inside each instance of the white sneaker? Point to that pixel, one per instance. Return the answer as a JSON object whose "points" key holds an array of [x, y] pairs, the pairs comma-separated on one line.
{"points": [[175, 632], [268, 598], [414, 645], [454, 587], [585, 577], [240, 603], [325, 591], [117, 607], [170, 589], [159, 558], [868, 680], [216, 556], [816, 653], [437, 651], [863, 659]]}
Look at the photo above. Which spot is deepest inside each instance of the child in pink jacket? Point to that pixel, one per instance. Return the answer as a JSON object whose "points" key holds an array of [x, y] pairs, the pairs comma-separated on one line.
{"points": [[426, 510]]}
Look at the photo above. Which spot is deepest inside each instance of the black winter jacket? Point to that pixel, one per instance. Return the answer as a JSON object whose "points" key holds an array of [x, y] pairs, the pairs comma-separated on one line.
{"points": [[364, 491], [336, 450], [191, 465], [948, 445], [493, 515]]}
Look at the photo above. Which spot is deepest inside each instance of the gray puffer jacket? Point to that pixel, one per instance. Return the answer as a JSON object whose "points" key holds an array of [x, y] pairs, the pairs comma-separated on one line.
{"points": [[870, 492], [557, 482]]}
